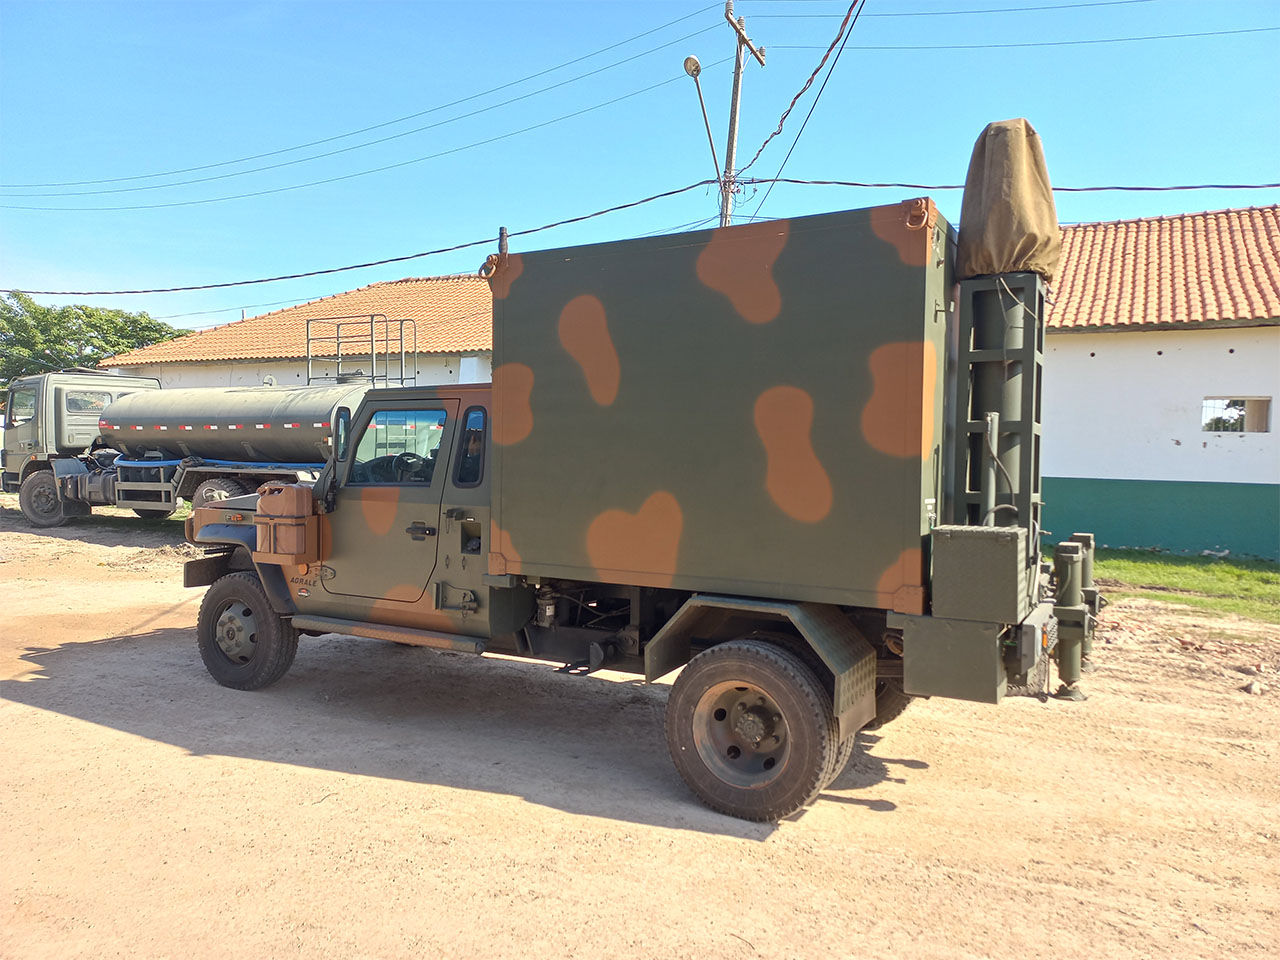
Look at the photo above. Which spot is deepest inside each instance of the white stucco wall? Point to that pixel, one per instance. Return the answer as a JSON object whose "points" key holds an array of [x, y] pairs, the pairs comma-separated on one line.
{"points": [[1127, 406], [475, 368]]}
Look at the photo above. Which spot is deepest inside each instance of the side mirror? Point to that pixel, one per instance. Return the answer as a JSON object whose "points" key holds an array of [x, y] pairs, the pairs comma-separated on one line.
{"points": [[341, 434]]}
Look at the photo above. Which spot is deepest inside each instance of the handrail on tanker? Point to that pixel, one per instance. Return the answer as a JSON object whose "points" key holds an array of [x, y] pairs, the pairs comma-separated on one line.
{"points": [[368, 332]]}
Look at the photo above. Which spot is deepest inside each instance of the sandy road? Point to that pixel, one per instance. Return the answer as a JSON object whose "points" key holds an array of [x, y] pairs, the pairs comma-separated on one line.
{"points": [[384, 801]]}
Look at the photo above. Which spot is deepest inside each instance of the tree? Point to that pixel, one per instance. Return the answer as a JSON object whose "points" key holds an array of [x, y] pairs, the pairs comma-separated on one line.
{"points": [[36, 338]]}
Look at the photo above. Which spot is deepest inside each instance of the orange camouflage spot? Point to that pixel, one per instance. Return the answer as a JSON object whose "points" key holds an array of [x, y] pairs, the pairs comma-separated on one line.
{"points": [[908, 228], [513, 416], [901, 587], [639, 548], [506, 274], [502, 552], [898, 419], [795, 477], [584, 333], [738, 262], [380, 506]]}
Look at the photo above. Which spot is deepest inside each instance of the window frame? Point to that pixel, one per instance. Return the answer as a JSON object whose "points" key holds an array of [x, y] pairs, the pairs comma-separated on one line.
{"points": [[1245, 428], [9, 420], [353, 448], [463, 430]]}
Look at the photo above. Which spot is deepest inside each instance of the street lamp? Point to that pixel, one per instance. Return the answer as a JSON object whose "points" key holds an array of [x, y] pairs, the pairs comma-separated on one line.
{"points": [[692, 67]]}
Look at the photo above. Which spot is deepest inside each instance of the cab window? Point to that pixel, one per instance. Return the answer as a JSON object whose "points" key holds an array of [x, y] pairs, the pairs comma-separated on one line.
{"points": [[398, 446], [471, 449], [22, 406], [87, 401]]}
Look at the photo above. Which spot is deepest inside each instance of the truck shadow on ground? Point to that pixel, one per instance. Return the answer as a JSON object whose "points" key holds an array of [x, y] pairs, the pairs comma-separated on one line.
{"points": [[102, 529], [585, 745]]}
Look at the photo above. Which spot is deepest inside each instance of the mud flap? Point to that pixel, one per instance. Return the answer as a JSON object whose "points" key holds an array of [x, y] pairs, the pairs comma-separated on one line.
{"points": [[842, 648]]}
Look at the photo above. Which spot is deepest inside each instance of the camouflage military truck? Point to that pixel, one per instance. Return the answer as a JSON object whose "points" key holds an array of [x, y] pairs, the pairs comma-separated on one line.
{"points": [[795, 459]]}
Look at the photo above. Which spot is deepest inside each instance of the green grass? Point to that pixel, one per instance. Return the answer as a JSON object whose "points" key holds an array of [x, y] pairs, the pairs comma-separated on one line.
{"points": [[1249, 588]]}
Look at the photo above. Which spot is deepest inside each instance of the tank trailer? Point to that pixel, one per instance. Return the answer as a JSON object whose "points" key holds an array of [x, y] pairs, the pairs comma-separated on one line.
{"points": [[76, 439], [797, 461]]}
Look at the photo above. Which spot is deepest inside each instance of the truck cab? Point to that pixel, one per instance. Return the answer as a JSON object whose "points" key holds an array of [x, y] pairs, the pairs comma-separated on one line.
{"points": [[52, 418]]}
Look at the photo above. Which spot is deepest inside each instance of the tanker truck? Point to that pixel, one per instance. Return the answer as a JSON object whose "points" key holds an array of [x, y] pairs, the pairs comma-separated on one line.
{"points": [[76, 439], [796, 460]]}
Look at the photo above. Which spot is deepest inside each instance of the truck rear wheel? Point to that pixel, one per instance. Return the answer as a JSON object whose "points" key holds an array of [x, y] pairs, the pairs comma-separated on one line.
{"points": [[219, 488], [39, 500], [751, 730], [243, 642], [891, 701]]}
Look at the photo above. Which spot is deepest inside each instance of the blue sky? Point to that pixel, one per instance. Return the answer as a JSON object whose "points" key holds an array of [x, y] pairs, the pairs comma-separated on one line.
{"points": [[101, 91]]}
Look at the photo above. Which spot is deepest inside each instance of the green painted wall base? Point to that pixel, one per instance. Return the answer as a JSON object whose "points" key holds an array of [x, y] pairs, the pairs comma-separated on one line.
{"points": [[1173, 515]]}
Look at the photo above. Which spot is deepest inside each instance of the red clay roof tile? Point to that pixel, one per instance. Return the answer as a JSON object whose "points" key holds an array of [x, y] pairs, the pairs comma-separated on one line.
{"points": [[1193, 268], [452, 315]]}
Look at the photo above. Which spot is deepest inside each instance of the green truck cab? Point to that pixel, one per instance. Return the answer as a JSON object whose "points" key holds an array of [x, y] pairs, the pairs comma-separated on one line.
{"points": [[796, 461]]}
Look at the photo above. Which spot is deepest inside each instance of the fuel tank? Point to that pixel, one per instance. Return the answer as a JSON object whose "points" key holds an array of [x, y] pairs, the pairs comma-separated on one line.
{"points": [[259, 424]]}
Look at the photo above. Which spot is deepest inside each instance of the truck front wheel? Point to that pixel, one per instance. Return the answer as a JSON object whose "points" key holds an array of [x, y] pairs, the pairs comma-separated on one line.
{"points": [[39, 500], [751, 730], [243, 642]]}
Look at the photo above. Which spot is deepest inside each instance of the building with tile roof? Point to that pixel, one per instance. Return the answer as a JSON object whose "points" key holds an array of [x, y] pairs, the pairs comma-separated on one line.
{"points": [[449, 317], [1161, 374]]}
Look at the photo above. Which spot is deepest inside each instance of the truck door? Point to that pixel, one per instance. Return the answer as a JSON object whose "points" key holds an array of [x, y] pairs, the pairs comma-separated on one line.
{"points": [[20, 424], [380, 541]]}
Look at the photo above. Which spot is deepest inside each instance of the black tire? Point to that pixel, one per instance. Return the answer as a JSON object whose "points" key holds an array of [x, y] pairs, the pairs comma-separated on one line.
{"points": [[778, 756], [243, 642], [891, 701], [219, 488], [39, 500], [153, 514]]}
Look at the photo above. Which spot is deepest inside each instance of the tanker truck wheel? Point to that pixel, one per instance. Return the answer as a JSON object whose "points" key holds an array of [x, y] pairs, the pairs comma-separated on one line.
{"points": [[243, 642], [38, 498], [219, 488], [751, 730]]}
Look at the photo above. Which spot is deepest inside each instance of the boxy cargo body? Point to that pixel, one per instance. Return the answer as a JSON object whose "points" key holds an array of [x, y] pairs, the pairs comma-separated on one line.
{"points": [[753, 411], [772, 454]]}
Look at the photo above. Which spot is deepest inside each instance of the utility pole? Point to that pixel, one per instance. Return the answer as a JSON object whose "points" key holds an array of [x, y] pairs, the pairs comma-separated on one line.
{"points": [[731, 150]]}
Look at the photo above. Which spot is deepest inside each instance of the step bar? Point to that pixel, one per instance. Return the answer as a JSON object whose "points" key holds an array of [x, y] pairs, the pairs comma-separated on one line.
{"points": [[382, 631]]}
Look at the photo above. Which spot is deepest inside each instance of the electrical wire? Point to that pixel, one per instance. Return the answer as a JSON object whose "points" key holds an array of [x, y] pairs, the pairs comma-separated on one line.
{"points": [[365, 173], [376, 126], [807, 84], [244, 306], [960, 186], [372, 263], [818, 96], [1040, 43], [952, 13], [367, 143]]}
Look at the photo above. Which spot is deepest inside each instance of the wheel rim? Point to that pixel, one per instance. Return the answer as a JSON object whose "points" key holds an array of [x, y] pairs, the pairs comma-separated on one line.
{"points": [[741, 734], [237, 632], [44, 499]]}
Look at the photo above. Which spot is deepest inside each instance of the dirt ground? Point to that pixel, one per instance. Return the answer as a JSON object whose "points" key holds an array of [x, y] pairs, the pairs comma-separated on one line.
{"points": [[384, 801]]}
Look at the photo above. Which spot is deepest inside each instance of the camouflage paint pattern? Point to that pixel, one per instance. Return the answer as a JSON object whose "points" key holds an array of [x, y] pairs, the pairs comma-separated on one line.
{"points": [[751, 410]]}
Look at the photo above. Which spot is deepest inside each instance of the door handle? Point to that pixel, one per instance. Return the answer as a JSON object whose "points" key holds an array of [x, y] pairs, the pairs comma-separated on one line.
{"points": [[419, 530]]}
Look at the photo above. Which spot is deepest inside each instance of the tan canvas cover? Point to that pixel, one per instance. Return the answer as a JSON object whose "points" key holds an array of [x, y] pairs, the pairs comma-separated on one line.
{"points": [[1008, 222]]}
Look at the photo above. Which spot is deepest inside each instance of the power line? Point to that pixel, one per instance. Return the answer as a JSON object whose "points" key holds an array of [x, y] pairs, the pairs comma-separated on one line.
{"points": [[818, 96], [368, 143], [376, 126], [808, 83], [372, 263], [365, 173], [955, 13], [1039, 43], [245, 306], [608, 210], [960, 186]]}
